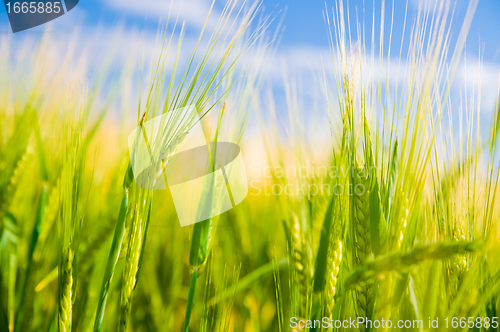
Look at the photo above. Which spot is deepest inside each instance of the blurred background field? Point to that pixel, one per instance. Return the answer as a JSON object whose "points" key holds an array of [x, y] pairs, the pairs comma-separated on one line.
{"points": [[306, 91]]}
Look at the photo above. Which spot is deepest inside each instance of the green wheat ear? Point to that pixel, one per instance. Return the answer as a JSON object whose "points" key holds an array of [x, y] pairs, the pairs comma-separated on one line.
{"points": [[300, 258], [399, 219], [362, 228], [333, 263], [362, 214], [135, 250], [66, 279]]}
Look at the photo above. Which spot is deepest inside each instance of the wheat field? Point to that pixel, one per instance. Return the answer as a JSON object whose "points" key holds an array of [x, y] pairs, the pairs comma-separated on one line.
{"points": [[397, 223]]}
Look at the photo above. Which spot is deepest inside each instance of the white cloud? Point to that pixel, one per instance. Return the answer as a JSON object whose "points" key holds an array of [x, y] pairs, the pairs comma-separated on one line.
{"points": [[475, 75], [193, 12]]}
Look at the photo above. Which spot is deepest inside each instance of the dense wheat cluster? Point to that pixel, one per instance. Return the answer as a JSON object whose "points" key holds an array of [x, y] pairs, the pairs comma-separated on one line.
{"points": [[413, 235]]}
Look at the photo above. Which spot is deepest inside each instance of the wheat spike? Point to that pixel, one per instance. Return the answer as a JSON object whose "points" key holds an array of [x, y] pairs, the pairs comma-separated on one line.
{"points": [[334, 259], [400, 220], [131, 268], [362, 227], [301, 264], [457, 266], [66, 289], [362, 215], [12, 183]]}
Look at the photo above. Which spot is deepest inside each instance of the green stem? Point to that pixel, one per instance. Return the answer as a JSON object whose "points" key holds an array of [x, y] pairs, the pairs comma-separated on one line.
{"points": [[189, 308], [112, 260], [34, 240]]}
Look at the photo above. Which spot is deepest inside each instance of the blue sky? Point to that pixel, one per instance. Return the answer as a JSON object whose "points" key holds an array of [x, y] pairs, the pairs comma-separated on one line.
{"points": [[305, 37], [303, 19], [304, 43]]}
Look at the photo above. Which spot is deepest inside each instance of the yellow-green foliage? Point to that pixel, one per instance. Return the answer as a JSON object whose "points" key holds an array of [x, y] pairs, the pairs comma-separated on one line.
{"points": [[413, 234]]}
